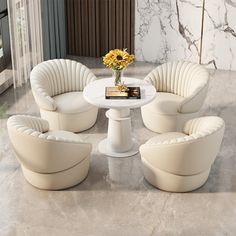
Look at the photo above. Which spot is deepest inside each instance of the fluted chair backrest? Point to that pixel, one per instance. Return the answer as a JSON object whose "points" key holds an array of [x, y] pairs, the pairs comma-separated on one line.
{"points": [[203, 126], [28, 125], [181, 78], [59, 76], [33, 127]]}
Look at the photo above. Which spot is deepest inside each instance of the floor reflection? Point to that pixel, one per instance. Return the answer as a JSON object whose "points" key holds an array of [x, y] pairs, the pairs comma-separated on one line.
{"points": [[115, 193]]}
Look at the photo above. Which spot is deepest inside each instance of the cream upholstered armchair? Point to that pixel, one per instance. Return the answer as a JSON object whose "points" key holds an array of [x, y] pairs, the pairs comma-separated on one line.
{"points": [[57, 86], [49, 159], [181, 90], [181, 162]]}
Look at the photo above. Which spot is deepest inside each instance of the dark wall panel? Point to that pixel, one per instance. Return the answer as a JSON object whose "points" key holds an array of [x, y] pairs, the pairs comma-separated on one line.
{"points": [[96, 26], [5, 59]]}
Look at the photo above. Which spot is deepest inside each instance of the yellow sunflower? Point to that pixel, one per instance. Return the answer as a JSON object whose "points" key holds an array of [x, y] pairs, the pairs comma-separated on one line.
{"points": [[118, 59]]}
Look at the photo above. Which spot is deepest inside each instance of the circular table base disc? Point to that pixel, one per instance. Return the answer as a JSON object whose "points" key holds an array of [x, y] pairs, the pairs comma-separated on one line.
{"points": [[102, 147]]}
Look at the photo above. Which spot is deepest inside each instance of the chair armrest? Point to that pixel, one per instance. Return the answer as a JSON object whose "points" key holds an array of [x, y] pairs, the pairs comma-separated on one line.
{"points": [[41, 88], [44, 101], [44, 155], [194, 102], [181, 158]]}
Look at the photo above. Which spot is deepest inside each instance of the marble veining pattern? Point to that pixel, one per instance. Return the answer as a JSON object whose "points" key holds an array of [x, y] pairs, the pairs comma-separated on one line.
{"points": [[167, 30], [171, 30], [219, 37], [115, 199]]}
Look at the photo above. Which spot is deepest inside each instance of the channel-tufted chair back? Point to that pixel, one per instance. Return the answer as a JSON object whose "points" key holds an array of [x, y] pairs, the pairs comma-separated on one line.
{"points": [[28, 125], [180, 78], [59, 76], [203, 126]]}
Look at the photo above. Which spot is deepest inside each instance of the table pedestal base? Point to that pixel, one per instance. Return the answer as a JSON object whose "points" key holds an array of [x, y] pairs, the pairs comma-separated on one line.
{"points": [[119, 141], [104, 149]]}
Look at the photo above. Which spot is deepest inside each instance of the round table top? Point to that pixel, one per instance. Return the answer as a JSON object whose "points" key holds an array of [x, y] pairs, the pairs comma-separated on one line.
{"points": [[94, 93]]}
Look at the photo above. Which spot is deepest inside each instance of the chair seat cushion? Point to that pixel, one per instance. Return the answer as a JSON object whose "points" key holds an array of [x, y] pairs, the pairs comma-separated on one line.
{"points": [[162, 138], [165, 103], [72, 103], [63, 135]]}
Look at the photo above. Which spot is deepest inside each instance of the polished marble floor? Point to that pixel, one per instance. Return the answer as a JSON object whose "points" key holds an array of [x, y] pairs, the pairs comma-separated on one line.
{"points": [[115, 200]]}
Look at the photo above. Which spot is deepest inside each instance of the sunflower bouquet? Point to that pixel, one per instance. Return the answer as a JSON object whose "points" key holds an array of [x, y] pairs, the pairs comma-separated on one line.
{"points": [[117, 60]]}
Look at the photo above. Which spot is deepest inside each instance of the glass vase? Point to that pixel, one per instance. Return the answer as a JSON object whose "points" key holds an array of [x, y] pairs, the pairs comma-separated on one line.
{"points": [[117, 74]]}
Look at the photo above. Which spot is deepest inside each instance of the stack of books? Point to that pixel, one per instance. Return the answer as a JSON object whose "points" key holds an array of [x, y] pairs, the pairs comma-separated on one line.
{"points": [[117, 93]]}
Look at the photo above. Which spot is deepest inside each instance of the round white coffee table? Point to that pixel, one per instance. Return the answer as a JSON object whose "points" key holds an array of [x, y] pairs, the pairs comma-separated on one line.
{"points": [[119, 141]]}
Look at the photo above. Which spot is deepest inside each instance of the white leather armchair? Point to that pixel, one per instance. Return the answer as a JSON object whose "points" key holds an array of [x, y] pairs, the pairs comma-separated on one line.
{"points": [[49, 159], [181, 90], [57, 86], [181, 162]]}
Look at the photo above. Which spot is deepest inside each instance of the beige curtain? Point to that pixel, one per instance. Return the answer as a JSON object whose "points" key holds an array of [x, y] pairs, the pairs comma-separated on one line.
{"points": [[26, 37]]}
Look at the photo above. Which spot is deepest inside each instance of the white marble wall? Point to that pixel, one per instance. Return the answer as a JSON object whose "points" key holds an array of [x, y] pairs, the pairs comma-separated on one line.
{"points": [[219, 37], [168, 30]]}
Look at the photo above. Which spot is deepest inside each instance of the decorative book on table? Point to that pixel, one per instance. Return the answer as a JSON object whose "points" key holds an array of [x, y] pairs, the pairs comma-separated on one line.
{"points": [[128, 93]]}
